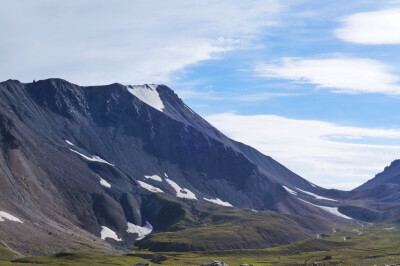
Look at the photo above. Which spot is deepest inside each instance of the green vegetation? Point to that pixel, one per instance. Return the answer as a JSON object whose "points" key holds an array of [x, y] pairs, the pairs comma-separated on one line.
{"points": [[378, 244], [224, 228], [6, 253]]}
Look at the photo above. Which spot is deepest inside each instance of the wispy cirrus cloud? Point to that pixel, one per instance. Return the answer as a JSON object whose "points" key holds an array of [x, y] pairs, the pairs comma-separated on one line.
{"points": [[373, 28], [98, 42], [337, 73], [327, 154], [218, 96]]}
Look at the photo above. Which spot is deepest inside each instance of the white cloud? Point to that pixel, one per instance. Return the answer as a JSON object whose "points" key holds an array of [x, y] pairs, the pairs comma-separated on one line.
{"points": [[97, 42], [339, 74], [324, 153], [214, 96], [379, 27]]}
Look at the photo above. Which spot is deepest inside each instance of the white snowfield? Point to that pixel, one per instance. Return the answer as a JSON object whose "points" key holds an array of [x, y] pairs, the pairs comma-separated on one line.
{"points": [[69, 143], [333, 210], [94, 158], [153, 177], [315, 195], [290, 191], [104, 183], [108, 233], [181, 192], [149, 187], [147, 94], [219, 202], [141, 231], [6, 216]]}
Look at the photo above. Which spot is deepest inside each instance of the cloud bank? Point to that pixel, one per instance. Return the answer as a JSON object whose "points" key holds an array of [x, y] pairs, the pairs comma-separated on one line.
{"points": [[98, 42], [338, 74], [327, 154]]}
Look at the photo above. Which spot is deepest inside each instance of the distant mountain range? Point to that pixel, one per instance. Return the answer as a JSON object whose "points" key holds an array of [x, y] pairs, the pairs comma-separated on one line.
{"points": [[102, 167]]}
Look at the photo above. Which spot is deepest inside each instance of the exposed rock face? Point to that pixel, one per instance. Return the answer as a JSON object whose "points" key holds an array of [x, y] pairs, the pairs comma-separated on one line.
{"points": [[85, 163], [390, 175]]}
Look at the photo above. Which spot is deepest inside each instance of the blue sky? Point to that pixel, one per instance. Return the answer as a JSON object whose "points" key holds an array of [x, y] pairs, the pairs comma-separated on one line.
{"points": [[314, 84]]}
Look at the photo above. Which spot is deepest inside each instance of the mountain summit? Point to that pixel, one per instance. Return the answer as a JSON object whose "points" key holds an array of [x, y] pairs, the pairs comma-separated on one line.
{"points": [[104, 166]]}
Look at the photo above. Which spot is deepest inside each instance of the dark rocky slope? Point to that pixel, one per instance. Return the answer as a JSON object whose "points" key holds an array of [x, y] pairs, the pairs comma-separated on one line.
{"points": [[390, 175], [74, 160], [378, 199]]}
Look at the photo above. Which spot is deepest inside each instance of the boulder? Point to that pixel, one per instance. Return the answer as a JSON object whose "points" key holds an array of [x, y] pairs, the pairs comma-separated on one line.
{"points": [[216, 263]]}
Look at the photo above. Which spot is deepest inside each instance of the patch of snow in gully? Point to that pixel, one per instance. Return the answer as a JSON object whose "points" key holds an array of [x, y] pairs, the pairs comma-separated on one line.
{"points": [[69, 143], [147, 94], [219, 202], [6, 216], [150, 187], [181, 192], [141, 231], [104, 183], [108, 233], [290, 191], [315, 195], [153, 177], [333, 210], [94, 158]]}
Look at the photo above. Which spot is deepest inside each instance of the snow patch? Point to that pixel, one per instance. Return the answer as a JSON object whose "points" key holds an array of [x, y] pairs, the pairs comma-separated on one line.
{"points": [[69, 143], [141, 231], [104, 183], [150, 187], [147, 94], [108, 233], [311, 184], [290, 191], [315, 195], [358, 232], [334, 230], [389, 228], [153, 177], [360, 224], [7, 216], [181, 192], [219, 202], [94, 158], [333, 210], [254, 210]]}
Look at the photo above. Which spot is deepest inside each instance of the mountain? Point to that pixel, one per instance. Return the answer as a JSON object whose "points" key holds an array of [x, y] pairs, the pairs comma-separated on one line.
{"points": [[376, 200], [390, 175], [100, 167]]}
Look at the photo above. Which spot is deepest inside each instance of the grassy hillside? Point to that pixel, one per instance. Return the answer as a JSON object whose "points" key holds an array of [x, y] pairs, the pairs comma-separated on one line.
{"points": [[376, 244], [223, 228], [6, 253]]}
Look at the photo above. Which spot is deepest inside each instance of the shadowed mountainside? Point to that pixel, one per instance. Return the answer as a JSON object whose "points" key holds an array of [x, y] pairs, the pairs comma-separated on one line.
{"points": [[99, 167]]}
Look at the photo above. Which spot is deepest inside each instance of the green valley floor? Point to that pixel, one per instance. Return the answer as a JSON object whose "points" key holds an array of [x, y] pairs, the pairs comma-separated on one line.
{"points": [[371, 244]]}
